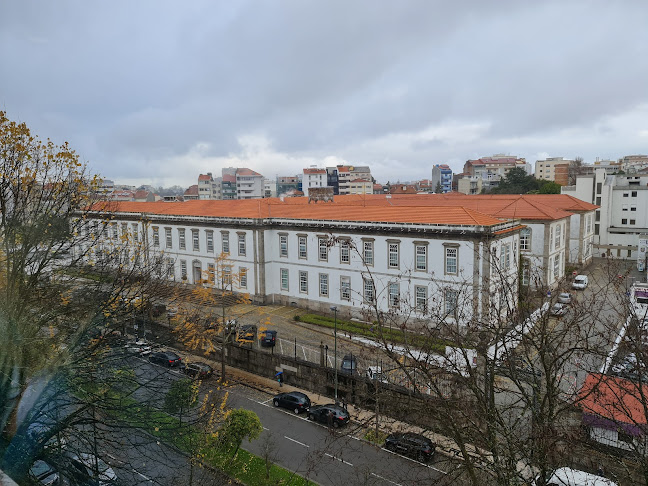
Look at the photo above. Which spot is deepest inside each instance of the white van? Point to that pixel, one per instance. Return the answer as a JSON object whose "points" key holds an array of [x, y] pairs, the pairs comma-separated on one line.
{"points": [[566, 476]]}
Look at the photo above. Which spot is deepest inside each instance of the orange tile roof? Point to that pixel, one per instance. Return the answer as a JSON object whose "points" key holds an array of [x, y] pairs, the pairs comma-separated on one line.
{"points": [[244, 171], [614, 398], [314, 171], [204, 177], [192, 190], [299, 209]]}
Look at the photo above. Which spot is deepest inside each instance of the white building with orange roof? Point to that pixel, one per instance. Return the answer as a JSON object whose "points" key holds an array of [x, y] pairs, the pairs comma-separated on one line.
{"points": [[313, 177], [445, 265]]}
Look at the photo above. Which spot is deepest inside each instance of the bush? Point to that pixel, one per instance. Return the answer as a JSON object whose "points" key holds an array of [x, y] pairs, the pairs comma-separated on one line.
{"points": [[376, 438], [297, 318]]}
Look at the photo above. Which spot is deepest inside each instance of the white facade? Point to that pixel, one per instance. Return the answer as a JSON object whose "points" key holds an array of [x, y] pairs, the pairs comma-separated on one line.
{"points": [[313, 178], [249, 185], [449, 269], [622, 216], [543, 248]]}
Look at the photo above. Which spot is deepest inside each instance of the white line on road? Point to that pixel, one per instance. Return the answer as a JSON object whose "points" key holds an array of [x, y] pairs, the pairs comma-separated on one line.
{"points": [[146, 478], [414, 460], [385, 479], [338, 459], [296, 441]]}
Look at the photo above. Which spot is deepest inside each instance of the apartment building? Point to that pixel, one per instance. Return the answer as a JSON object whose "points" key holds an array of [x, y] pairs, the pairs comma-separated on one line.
{"points": [[487, 172], [450, 261], [554, 169], [249, 184], [354, 180], [313, 177], [288, 185], [441, 175], [621, 217]]}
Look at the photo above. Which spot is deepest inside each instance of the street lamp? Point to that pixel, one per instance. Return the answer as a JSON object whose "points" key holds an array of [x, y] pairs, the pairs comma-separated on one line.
{"points": [[334, 309]]}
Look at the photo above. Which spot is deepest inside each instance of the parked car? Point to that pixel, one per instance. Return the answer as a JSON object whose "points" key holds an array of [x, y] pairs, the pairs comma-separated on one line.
{"points": [[558, 309], [165, 358], [140, 346], [580, 282], [349, 365], [80, 469], [565, 298], [330, 414], [269, 338], [246, 333], [298, 402], [566, 476], [199, 370], [376, 373], [410, 444], [43, 473]]}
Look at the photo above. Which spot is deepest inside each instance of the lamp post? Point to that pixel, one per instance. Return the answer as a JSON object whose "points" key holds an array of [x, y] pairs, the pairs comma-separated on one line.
{"points": [[334, 309]]}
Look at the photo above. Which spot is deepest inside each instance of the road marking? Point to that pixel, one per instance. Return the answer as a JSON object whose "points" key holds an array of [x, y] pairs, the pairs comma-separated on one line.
{"points": [[132, 469], [385, 479], [266, 401], [414, 460], [296, 441], [338, 459]]}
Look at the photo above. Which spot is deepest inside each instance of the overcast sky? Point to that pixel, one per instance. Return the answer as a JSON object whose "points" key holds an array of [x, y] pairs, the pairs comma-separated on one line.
{"points": [[156, 92]]}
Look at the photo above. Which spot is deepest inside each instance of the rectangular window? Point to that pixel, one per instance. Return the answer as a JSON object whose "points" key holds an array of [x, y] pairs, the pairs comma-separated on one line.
{"points": [[243, 277], [598, 201], [394, 294], [368, 293], [302, 248], [210, 241], [283, 245], [451, 297], [624, 221], [195, 238], [624, 207], [421, 298], [451, 258], [303, 282], [135, 233], [124, 230], [183, 269], [556, 267], [634, 193], [225, 241], [241, 244], [551, 238], [345, 251], [589, 224], [506, 257], [368, 252], [284, 279], [168, 237], [171, 268], [345, 288], [599, 186], [421, 258], [181, 238], [633, 207], [558, 236], [626, 194], [211, 273], [156, 237], [323, 284], [526, 272], [633, 221], [596, 229], [393, 255], [323, 249], [227, 275], [525, 239]]}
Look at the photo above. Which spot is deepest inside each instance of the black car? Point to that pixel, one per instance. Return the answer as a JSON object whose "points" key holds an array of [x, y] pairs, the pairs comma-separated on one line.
{"points": [[165, 358], [331, 414], [349, 365], [198, 370], [410, 444], [246, 333], [269, 339], [296, 401]]}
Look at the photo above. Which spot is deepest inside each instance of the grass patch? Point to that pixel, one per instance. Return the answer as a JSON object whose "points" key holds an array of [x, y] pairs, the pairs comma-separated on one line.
{"points": [[244, 466], [397, 336], [376, 438]]}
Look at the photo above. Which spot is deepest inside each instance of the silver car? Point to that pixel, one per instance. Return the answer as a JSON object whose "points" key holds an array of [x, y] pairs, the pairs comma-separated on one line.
{"points": [[558, 309], [565, 298]]}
